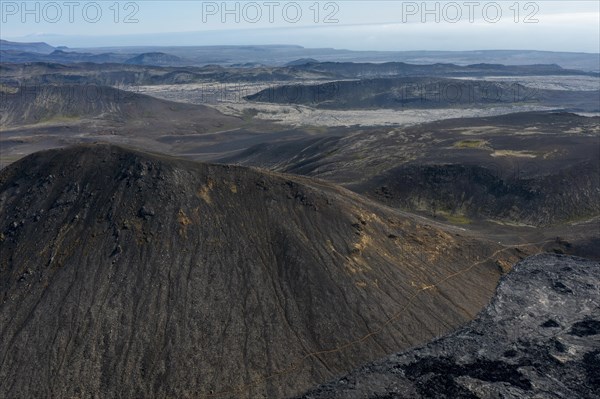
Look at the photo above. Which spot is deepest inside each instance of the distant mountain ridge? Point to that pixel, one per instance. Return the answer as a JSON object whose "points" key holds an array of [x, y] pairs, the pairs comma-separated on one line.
{"points": [[38, 47], [158, 59], [280, 55], [60, 56]]}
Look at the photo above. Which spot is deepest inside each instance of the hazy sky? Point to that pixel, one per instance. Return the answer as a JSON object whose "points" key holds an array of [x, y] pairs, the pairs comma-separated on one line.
{"points": [[350, 24]]}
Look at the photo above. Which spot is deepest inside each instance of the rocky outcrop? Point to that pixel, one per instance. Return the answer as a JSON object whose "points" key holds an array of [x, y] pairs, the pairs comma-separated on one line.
{"points": [[539, 338]]}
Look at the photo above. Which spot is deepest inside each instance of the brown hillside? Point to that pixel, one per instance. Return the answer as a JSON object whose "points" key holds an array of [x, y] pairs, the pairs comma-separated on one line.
{"points": [[126, 274]]}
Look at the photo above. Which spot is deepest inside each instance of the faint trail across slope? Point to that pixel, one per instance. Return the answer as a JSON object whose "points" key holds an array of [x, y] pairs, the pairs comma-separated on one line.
{"points": [[296, 365]]}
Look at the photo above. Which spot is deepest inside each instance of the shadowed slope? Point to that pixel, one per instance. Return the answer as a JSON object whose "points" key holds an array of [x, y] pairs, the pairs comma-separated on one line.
{"points": [[137, 275]]}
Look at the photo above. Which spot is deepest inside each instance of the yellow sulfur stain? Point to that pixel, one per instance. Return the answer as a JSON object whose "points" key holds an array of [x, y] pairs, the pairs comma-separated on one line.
{"points": [[363, 243], [360, 284], [204, 194], [204, 191], [184, 222]]}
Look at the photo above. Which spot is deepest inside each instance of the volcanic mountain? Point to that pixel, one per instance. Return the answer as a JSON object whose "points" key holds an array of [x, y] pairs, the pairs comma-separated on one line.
{"points": [[128, 274], [59, 103], [39, 117], [424, 93]]}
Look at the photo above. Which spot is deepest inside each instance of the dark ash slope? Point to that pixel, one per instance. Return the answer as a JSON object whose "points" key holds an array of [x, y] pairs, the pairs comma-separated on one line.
{"points": [[125, 274], [539, 338], [535, 168]]}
